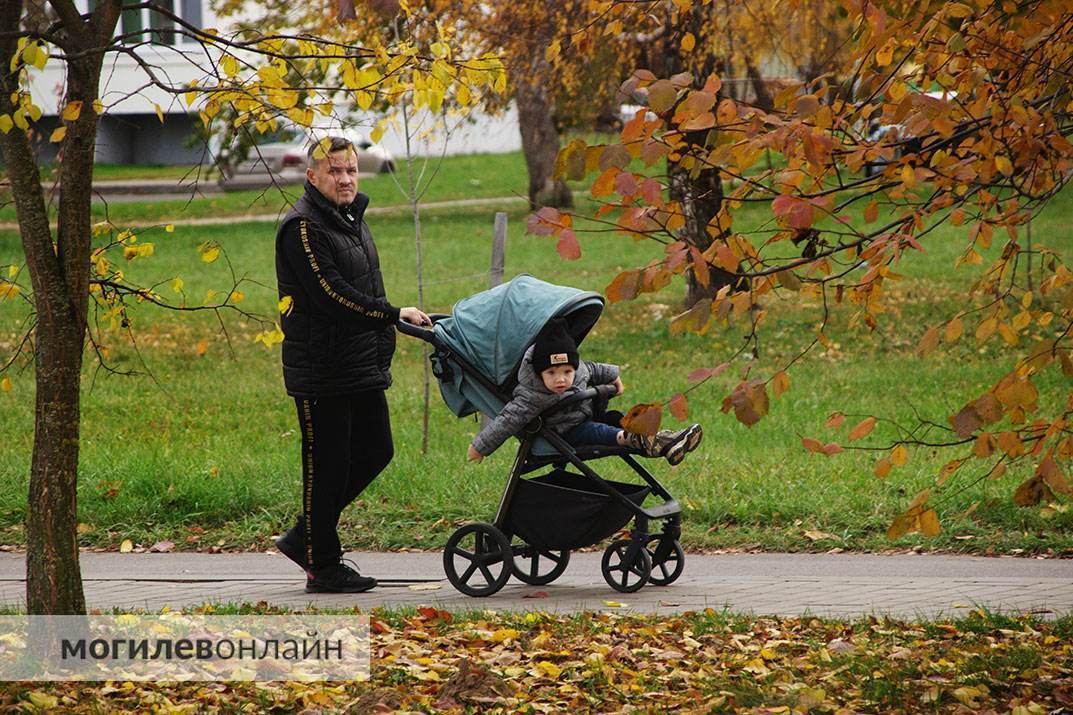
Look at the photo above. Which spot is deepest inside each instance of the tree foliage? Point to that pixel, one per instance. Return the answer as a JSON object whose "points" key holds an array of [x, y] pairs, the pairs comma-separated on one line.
{"points": [[975, 99]]}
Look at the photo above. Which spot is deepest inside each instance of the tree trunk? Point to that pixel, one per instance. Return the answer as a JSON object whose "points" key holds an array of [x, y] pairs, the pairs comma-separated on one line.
{"points": [[763, 99], [540, 139], [59, 274], [701, 197]]}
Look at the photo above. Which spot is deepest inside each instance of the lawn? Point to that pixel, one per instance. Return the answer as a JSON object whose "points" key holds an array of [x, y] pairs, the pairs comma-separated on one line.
{"points": [[471, 176], [200, 447]]}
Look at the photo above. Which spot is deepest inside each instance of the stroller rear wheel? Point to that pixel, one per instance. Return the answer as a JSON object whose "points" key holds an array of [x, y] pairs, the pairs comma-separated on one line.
{"points": [[529, 561], [626, 566], [477, 559], [668, 560]]}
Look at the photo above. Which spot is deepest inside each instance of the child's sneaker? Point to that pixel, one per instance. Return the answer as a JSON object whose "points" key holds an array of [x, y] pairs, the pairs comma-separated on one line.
{"points": [[650, 446], [682, 442]]}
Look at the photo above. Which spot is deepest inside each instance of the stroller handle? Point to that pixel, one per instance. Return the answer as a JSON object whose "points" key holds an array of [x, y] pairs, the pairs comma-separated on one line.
{"points": [[602, 391], [416, 331]]}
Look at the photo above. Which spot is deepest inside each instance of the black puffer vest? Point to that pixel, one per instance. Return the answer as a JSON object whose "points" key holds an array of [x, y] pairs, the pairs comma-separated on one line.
{"points": [[324, 355]]}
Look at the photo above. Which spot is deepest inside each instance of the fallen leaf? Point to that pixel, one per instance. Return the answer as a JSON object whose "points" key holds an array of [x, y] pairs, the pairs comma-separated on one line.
{"points": [[162, 547], [126, 547], [425, 586]]}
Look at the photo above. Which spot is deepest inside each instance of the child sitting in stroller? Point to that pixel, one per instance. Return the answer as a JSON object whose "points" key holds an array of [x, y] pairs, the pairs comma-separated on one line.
{"points": [[551, 370]]}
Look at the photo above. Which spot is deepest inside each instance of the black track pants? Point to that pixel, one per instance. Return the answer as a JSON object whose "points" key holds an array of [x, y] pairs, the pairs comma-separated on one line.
{"points": [[346, 442]]}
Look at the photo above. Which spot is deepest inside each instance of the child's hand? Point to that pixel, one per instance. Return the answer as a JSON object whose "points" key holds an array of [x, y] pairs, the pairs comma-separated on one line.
{"points": [[473, 455], [618, 385]]}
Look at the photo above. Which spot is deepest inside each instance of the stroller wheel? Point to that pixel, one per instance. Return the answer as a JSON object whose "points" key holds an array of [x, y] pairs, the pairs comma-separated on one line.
{"points": [[668, 562], [529, 561], [626, 569], [477, 559]]}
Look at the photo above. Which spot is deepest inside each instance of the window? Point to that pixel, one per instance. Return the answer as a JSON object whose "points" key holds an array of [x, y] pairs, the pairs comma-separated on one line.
{"points": [[141, 24]]}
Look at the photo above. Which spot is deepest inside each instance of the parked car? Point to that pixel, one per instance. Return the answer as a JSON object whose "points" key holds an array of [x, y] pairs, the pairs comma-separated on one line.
{"points": [[282, 160]]}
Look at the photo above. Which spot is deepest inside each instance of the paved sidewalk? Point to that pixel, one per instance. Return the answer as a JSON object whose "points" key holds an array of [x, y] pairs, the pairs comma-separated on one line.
{"points": [[845, 585]]}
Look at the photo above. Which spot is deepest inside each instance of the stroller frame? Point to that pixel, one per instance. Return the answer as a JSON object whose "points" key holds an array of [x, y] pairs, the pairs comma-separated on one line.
{"points": [[628, 563]]}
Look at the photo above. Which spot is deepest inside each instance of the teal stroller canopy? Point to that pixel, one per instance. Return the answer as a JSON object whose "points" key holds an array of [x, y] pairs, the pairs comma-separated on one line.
{"points": [[492, 330]]}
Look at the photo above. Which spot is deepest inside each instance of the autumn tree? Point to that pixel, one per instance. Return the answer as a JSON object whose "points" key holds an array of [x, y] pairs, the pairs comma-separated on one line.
{"points": [[74, 271], [976, 101]]}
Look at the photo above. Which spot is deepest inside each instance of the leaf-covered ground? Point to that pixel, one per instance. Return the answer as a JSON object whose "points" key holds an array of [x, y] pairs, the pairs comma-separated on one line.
{"points": [[432, 661]]}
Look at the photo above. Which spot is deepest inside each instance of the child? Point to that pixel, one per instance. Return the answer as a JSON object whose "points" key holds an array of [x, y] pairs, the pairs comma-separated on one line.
{"points": [[551, 370]]}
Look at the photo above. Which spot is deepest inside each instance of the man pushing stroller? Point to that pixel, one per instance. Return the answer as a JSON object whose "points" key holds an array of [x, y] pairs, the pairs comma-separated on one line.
{"points": [[550, 371]]}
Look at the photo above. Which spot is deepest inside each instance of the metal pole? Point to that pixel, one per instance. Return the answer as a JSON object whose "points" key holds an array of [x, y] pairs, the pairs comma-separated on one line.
{"points": [[499, 242]]}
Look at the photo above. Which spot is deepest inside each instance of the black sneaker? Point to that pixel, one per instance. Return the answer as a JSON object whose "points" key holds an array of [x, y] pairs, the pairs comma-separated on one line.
{"points": [[339, 578], [291, 545], [686, 441]]}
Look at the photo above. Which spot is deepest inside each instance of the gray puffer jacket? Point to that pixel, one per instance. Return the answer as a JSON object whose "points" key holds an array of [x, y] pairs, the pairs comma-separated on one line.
{"points": [[531, 398]]}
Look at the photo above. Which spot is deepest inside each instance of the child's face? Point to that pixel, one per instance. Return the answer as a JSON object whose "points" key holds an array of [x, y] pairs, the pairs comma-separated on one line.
{"points": [[558, 378]]}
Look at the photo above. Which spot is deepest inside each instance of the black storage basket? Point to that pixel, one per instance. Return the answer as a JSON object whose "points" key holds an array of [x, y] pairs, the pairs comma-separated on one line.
{"points": [[563, 510]]}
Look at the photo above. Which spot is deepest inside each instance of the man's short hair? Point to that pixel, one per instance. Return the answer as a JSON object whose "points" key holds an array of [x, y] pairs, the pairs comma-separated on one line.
{"points": [[327, 145]]}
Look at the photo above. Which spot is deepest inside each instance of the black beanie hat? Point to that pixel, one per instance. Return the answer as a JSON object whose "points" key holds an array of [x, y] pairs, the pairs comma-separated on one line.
{"points": [[554, 346]]}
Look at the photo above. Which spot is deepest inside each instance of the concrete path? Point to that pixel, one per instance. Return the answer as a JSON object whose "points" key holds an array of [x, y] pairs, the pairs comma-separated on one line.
{"points": [[843, 585]]}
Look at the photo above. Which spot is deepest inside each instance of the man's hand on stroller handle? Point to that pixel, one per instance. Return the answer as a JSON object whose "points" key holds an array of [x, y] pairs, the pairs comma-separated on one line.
{"points": [[414, 316], [618, 386], [472, 455]]}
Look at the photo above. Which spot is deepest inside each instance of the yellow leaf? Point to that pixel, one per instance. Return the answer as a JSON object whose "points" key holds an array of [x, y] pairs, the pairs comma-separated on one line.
{"points": [[5, 123], [98, 106], [236, 296], [72, 111], [376, 134], [899, 455], [209, 252], [550, 669], [688, 42], [5, 384], [1003, 164], [58, 135], [614, 604], [159, 113], [285, 304], [177, 285], [44, 701], [126, 547], [953, 330], [170, 228], [202, 347], [929, 523], [502, 635]]}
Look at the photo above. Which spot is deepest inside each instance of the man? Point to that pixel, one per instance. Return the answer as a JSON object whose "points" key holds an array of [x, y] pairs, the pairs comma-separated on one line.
{"points": [[339, 337]]}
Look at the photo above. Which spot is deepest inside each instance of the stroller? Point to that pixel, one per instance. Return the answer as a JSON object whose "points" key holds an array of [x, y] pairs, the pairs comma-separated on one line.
{"points": [[476, 355]]}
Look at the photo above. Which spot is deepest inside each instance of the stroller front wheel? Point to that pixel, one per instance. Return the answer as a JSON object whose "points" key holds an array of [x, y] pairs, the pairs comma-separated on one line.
{"points": [[478, 559], [626, 566]]}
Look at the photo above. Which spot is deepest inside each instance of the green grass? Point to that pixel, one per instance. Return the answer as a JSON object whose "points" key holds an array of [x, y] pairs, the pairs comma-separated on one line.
{"points": [[207, 449], [472, 176]]}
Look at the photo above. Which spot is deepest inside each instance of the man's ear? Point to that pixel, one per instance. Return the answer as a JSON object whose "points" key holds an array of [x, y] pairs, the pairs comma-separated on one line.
{"points": [[309, 174]]}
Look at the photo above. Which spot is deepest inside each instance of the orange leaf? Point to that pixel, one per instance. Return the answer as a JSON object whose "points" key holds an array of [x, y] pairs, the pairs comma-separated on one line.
{"points": [[882, 468], [624, 286], [928, 342], [679, 407], [605, 183], [643, 418], [780, 383], [568, 246], [835, 420], [812, 445], [863, 429]]}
